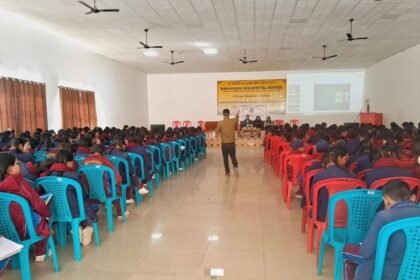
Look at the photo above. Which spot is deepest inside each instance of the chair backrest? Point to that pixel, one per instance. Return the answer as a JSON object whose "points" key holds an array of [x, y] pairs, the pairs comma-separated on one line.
{"points": [[279, 122], [413, 183], [79, 159], [57, 186], [176, 149], [334, 186], [202, 124], [166, 152], [186, 123], [409, 268], [309, 149], [294, 122], [306, 165], [95, 176], [137, 161], [176, 124], [362, 174], [7, 227], [157, 158], [362, 206], [406, 163], [194, 144], [352, 166], [307, 183], [296, 161], [121, 164]]}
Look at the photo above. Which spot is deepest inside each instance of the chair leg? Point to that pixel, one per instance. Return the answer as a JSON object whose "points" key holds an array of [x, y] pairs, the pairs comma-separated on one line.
{"points": [[25, 266], [322, 248], [338, 266], [109, 215], [310, 238], [124, 196], [54, 254], [124, 218], [139, 198], [157, 179], [319, 232], [61, 233], [96, 234], [150, 186], [304, 216], [76, 242]]}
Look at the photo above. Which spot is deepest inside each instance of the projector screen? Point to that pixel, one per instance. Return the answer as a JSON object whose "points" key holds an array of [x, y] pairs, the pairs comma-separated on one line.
{"points": [[334, 92]]}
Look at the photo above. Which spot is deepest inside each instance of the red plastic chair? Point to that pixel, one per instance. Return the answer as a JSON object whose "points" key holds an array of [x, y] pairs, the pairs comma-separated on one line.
{"points": [[202, 124], [279, 164], [332, 186], [352, 166], [407, 163], [414, 184], [267, 147], [361, 175], [309, 149], [186, 123], [176, 124], [279, 122], [296, 161], [307, 180], [306, 165], [294, 122]]}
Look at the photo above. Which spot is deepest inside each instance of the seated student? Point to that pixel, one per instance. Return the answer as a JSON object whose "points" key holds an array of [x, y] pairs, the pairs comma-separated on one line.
{"points": [[32, 171], [134, 144], [383, 167], [268, 122], [20, 149], [334, 164], [11, 181], [363, 152], [64, 167], [258, 123], [118, 149], [416, 153], [98, 158], [321, 147], [85, 144], [45, 143], [399, 204]]}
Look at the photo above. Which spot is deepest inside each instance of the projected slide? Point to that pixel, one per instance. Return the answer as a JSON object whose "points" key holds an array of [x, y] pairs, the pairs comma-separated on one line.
{"points": [[332, 97]]}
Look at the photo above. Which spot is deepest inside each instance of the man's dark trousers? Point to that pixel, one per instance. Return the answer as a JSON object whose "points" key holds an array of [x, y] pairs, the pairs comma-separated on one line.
{"points": [[229, 149]]}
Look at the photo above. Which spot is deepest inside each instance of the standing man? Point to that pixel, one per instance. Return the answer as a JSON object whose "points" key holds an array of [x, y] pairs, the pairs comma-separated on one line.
{"points": [[226, 128]]}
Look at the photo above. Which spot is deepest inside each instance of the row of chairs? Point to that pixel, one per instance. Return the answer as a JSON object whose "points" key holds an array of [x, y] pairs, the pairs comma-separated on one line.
{"points": [[291, 122], [201, 124], [166, 159], [277, 153]]}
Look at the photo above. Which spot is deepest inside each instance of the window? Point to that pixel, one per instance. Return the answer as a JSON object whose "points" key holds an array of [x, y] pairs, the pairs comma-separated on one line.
{"points": [[78, 108], [22, 105]]}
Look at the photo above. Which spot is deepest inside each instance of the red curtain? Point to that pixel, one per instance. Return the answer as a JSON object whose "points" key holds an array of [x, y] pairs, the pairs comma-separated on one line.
{"points": [[77, 107], [23, 105]]}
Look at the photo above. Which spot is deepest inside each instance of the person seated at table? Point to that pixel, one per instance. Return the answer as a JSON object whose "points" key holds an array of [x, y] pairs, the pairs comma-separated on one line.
{"points": [[383, 167], [258, 123], [399, 204], [268, 122], [247, 122]]}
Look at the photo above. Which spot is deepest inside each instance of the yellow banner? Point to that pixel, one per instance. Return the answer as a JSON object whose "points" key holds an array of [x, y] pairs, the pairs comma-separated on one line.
{"points": [[267, 94]]}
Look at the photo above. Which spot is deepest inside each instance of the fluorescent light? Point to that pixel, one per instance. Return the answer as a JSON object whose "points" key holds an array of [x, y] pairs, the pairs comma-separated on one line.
{"points": [[201, 44], [150, 53], [210, 51], [214, 272], [213, 237], [156, 236]]}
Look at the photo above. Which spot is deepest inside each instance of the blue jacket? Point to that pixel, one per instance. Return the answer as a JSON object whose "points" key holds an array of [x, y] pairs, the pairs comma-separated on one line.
{"points": [[396, 246], [385, 172], [21, 156], [329, 173], [363, 163]]}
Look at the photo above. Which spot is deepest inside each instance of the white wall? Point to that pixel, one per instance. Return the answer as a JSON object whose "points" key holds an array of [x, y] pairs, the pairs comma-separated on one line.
{"points": [[393, 87], [194, 97], [28, 51]]}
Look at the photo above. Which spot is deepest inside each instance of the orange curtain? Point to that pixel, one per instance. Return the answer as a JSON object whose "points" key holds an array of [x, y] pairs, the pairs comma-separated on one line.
{"points": [[22, 105], [77, 107]]}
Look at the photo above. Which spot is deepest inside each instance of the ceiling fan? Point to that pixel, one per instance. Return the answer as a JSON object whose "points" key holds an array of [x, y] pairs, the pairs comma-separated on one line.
{"points": [[245, 61], [95, 10], [172, 62], [325, 57], [350, 35], [146, 45]]}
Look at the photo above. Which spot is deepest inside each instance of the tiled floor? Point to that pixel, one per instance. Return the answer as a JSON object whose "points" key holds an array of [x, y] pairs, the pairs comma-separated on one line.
{"points": [[252, 235]]}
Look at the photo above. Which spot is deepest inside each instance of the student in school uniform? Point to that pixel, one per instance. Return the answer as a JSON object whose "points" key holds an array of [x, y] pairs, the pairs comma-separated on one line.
{"points": [[118, 149], [85, 144], [32, 171], [134, 144], [334, 163], [46, 143], [383, 167], [399, 204], [97, 158], [11, 181], [64, 168], [20, 149]]}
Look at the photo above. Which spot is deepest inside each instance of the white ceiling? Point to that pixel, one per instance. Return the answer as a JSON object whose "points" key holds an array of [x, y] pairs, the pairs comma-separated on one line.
{"points": [[282, 34]]}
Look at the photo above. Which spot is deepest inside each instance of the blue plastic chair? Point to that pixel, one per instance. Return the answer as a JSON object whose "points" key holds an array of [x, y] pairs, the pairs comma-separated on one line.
{"points": [[176, 155], [188, 150], [410, 266], [8, 229], [166, 153], [79, 160], [184, 158], [61, 213], [194, 148], [39, 156], [362, 206], [119, 162], [202, 145], [138, 163], [95, 175], [154, 153]]}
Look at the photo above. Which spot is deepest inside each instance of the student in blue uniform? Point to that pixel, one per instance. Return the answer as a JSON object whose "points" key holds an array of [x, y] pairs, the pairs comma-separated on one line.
{"points": [[384, 167], [334, 163], [399, 204]]}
